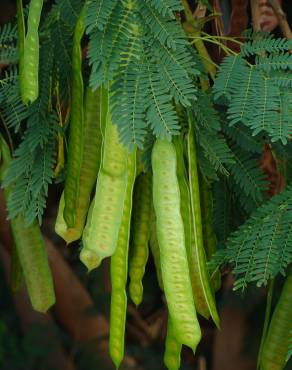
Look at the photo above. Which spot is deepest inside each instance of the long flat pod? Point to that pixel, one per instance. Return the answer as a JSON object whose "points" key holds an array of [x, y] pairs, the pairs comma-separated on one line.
{"points": [[33, 258], [90, 259], [170, 233], [119, 273], [209, 237], [101, 233], [275, 349], [30, 66], [89, 169], [20, 46], [140, 234], [207, 217], [31, 251], [173, 348], [76, 135], [199, 253], [185, 203], [16, 274], [186, 213], [154, 247]]}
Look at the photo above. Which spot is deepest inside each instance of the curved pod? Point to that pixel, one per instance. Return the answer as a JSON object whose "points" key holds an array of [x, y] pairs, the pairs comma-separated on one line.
{"points": [[275, 349], [206, 298], [90, 164], [29, 65], [76, 134], [101, 233], [119, 273], [171, 239], [172, 348], [140, 234]]}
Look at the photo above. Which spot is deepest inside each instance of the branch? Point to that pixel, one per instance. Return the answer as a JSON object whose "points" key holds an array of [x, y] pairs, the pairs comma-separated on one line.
{"points": [[284, 25], [193, 26], [188, 11]]}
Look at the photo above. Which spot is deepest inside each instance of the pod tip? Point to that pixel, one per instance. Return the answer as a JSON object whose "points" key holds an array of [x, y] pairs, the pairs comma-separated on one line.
{"points": [[90, 259]]}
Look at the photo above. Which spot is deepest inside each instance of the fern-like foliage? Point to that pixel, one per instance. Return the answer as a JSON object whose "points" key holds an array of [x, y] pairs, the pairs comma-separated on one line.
{"points": [[166, 7], [264, 43], [32, 167], [222, 210], [231, 69], [284, 153], [214, 151], [140, 49], [246, 181], [60, 28], [12, 110], [247, 175], [258, 94], [262, 247], [241, 136], [8, 49]]}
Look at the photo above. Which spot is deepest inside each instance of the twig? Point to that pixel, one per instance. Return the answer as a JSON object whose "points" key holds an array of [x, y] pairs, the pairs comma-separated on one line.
{"points": [[282, 18], [188, 11], [193, 27]]}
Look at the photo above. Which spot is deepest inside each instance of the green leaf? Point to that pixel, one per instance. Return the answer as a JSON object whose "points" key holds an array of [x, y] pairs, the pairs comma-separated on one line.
{"points": [[232, 70], [262, 247], [166, 7], [247, 175], [98, 14], [268, 44]]}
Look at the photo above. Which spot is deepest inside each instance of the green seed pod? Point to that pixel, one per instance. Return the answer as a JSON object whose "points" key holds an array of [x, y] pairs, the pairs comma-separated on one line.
{"points": [[171, 239], [34, 262], [119, 274], [76, 135], [16, 275], [210, 241], [154, 247], [275, 349], [205, 297], [101, 234], [186, 213], [31, 251], [20, 45], [172, 348], [140, 234], [90, 164], [29, 48]]}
